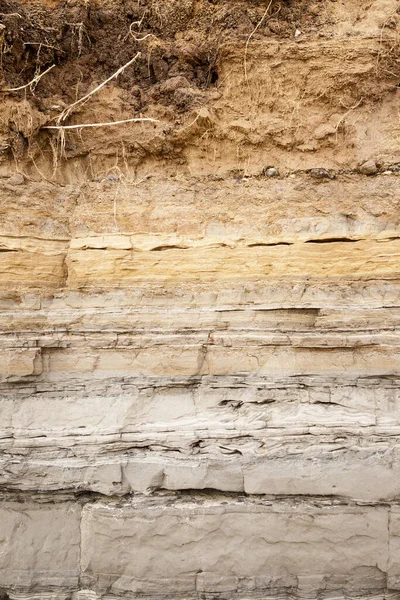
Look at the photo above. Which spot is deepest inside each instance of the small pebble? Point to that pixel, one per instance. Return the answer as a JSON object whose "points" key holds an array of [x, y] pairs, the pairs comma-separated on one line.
{"points": [[16, 179], [321, 174], [271, 172], [369, 168]]}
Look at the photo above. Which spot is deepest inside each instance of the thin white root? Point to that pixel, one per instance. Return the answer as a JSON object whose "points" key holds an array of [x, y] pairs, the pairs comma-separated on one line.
{"points": [[82, 125], [144, 37], [30, 84], [343, 117], [137, 33], [131, 33], [260, 22], [67, 111], [11, 15]]}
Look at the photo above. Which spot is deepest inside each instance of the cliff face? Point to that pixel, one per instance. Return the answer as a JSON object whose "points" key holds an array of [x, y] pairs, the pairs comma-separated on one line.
{"points": [[199, 313]]}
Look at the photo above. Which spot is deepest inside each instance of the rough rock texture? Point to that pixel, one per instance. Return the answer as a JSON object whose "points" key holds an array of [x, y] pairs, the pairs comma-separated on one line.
{"points": [[199, 317]]}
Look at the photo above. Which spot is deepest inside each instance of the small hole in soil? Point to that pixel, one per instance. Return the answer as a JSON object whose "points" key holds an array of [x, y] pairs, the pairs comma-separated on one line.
{"points": [[213, 77]]}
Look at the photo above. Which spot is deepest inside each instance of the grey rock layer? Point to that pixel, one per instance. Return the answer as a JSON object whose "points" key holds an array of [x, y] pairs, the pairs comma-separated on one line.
{"points": [[171, 547]]}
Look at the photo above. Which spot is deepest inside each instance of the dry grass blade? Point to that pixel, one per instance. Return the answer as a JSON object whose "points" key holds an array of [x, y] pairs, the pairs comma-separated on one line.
{"points": [[261, 21], [67, 111], [34, 81], [11, 15], [82, 125]]}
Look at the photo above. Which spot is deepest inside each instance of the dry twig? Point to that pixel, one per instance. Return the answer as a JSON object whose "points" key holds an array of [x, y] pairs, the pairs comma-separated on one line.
{"points": [[34, 81], [251, 35], [11, 15], [67, 111], [82, 125], [58, 146]]}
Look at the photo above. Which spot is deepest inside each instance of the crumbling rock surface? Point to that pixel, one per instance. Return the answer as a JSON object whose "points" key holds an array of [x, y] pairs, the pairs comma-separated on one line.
{"points": [[199, 315]]}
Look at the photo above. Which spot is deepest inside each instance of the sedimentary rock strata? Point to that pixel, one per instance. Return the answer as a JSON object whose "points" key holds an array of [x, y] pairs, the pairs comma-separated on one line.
{"points": [[202, 357], [199, 316]]}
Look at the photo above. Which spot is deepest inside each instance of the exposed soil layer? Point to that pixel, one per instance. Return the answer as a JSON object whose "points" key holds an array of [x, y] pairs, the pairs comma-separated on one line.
{"points": [[199, 300], [87, 41], [233, 86]]}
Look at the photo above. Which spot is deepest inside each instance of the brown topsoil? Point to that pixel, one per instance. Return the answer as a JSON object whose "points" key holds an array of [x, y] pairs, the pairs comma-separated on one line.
{"points": [[232, 85]]}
